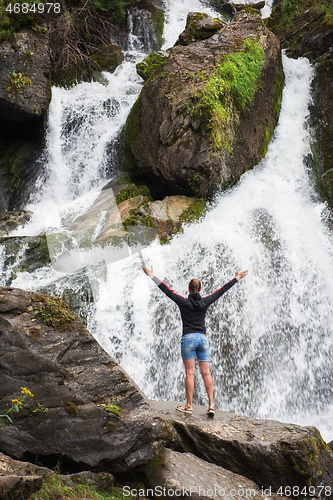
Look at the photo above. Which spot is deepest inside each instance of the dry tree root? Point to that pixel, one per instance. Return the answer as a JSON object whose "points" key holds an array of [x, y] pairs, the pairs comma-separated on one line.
{"points": [[73, 38]]}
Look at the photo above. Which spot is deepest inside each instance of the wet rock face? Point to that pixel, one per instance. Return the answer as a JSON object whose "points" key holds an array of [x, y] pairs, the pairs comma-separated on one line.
{"points": [[25, 83], [146, 22], [96, 415], [174, 143], [321, 113]]}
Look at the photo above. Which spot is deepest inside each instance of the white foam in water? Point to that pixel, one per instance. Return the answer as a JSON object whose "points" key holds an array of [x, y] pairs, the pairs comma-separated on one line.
{"points": [[271, 334]]}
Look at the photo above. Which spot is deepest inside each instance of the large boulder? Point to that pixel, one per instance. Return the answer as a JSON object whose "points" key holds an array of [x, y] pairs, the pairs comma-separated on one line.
{"points": [[182, 475], [86, 411], [25, 79], [188, 131], [274, 455]]}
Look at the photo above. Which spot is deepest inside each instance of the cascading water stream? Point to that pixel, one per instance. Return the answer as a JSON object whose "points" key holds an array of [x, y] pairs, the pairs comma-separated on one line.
{"points": [[270, 335]]}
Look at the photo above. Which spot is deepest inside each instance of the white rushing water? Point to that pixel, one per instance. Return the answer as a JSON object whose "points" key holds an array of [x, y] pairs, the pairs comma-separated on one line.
{"points": [[271, 334]]}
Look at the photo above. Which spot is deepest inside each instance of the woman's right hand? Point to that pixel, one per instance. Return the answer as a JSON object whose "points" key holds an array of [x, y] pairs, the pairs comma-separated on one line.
{"points": [[147, 271]]}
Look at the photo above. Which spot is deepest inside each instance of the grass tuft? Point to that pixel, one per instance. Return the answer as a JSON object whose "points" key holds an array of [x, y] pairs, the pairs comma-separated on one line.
{"points": [[54, 488]]}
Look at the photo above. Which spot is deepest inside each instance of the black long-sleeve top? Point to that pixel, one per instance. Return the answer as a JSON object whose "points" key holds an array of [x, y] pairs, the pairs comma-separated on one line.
{"points": [[193, 308]]}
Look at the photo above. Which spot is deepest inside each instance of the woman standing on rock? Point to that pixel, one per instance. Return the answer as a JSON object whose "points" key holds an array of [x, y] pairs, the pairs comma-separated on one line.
{"points": [[193, 311]]}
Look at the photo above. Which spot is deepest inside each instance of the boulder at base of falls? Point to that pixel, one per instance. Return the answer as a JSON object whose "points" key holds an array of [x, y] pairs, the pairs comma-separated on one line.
{"points": [[195, 128], [85, 411], [274, 455], [182, 475], [25, 79]]}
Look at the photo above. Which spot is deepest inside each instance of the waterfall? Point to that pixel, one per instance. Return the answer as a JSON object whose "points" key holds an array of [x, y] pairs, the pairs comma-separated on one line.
{"points": [[271, 334]]}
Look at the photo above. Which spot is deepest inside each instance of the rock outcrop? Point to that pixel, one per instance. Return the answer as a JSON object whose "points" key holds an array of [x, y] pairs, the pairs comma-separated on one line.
{"points": [[185, 134], [84, 411], [272, 454], [25, 77], [311, 35], [18, 480], [96, 415]]}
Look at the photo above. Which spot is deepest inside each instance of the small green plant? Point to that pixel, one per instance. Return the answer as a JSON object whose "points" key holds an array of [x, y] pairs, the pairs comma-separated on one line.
{"points": [[55, 314], [38, 410], [17, 83], [111, 408], [17, 404]]}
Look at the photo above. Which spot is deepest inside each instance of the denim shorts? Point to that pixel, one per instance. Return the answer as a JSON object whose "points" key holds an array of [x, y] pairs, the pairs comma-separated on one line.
{"points": [[195, 343]]}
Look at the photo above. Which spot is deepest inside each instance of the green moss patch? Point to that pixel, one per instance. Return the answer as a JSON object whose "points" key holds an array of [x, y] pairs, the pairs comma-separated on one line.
{"points": [[194, 212], [55, 313], [71, 408], [229, 91], [149, 65], [17, 84], [133, 123], [131, 191]]}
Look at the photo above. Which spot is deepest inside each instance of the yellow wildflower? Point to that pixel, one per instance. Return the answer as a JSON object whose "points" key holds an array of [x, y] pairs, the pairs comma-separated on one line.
{"points": [[26, 392], [17, 402]]}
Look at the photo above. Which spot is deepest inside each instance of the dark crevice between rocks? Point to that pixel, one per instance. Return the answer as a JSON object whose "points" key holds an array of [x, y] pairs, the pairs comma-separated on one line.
{"points": [[21, 161], [57, 462]]}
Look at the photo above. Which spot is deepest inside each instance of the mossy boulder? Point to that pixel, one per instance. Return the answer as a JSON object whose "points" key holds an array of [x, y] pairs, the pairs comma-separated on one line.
{"points": [[199, 26], [196, 127], [147, 67], [169, 215]]}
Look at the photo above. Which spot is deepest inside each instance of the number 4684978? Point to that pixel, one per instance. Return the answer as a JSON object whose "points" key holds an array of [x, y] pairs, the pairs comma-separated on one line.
{"points": [[25, 8]]}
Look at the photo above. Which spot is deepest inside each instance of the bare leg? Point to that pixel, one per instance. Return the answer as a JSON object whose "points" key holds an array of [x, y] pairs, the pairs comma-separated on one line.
{"points": [[189, 380], [205, 372]]}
